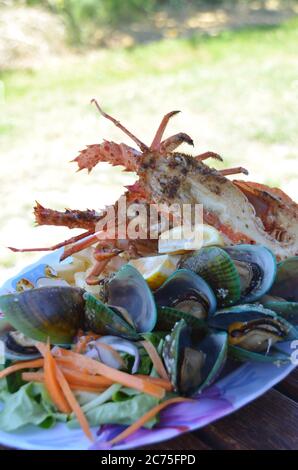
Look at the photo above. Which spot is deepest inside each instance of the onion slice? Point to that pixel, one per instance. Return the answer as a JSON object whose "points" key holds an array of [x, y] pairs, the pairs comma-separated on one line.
{"points": [[107, 348]]}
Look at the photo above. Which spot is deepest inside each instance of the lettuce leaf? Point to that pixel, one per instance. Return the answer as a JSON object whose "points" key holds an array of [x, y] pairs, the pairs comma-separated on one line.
{"points": [[123, 412], [29, 405]]}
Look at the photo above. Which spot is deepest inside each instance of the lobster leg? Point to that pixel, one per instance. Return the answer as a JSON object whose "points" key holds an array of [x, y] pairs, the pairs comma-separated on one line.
{"points": [[170, 144], [139, 143], [54, 247], [81, 245], [159, 133], [233, 171], [205, 155], [92, 279], [102, 258]]}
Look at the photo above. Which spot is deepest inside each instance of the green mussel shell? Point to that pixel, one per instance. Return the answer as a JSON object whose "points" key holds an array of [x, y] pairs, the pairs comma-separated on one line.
{"points": [[103, 319], [287, 310], [193, 359], [47, 312], [286, 281], [167, 317], [216, 267], [243, 355]]}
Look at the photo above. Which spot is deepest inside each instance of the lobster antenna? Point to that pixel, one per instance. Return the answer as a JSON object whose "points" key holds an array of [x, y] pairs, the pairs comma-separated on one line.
{"points": [[139, 143]]}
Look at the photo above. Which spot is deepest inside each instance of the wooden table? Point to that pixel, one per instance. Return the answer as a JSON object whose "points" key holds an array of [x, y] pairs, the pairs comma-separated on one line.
{"points": [[270, 422]]}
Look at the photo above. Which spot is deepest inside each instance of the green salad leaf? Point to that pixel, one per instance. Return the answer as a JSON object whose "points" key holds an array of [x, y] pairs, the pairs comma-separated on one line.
{"points": [[29, 405], [120, 412]]}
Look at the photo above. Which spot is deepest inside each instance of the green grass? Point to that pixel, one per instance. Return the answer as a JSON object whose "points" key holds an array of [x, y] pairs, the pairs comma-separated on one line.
{"points": [[238, 92]]}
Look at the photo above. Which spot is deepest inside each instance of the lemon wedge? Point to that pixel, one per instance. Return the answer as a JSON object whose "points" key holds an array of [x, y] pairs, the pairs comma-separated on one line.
{"points": [[175, 241], [156, 269]]}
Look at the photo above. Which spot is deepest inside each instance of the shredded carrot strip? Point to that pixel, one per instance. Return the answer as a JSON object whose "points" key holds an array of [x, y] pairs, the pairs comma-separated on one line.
{"points": [[117, 376], [73, 403], [85, 388], [166, 384], [33, 376], [51, 382], [39, 377], [144, 419], [36, 363], [81, 378], [54, 377], [69, 363], [156, 360]]}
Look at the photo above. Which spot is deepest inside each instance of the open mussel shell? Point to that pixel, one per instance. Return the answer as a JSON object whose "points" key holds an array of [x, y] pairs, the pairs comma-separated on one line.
{"points": [[287, 310], [193, 359], [286, 281], [253, 329], [184, 290], [128, 290], [105, 319], [17, 347], [216, 267], [30, 279], [47, 312], [256, 266]]}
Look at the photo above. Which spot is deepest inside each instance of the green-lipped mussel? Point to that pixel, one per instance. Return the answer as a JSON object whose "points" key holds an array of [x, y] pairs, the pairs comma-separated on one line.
{"points": [[254, 331], [18, 347], [129, 309], [47, 312], [238, 274], [193, 358], [256, 266], [216, 267], [187, 292]]}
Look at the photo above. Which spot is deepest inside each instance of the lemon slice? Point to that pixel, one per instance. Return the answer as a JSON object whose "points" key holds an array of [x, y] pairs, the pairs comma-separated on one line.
{"points": [[175, 240], [156, 269]]}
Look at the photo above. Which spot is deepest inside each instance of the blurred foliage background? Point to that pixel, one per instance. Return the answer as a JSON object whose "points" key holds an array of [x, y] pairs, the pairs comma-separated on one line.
{"points": [[230, 66]]}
